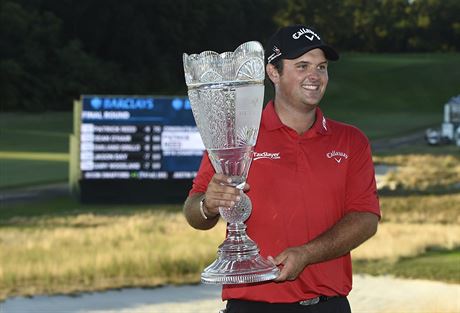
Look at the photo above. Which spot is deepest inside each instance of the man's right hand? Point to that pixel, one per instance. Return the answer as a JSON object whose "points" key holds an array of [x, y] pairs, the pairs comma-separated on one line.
{"points": [[221, 194]]}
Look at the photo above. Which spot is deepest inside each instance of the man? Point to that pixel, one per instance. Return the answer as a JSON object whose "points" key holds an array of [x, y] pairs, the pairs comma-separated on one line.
{"points": [[311, 184]]}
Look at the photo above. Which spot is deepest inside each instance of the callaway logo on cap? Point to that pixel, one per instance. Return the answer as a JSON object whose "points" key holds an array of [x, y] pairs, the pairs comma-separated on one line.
{"points": [[292, 41]]}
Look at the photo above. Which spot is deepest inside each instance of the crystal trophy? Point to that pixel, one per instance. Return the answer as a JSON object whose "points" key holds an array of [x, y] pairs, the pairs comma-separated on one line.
{"points": [[226, 94]]}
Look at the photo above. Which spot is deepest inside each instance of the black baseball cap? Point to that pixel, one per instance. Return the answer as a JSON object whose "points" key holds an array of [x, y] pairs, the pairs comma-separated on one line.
{"points": [[292, 41]]}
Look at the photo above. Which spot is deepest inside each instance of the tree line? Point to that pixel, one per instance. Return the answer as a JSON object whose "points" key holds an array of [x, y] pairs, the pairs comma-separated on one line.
{"points": [[51, 51]]}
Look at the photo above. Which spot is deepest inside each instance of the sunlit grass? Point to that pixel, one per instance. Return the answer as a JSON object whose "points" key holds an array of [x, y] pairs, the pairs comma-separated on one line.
{"points": [[440, 209], [22, 168], [62, 246], [421, 172], [36, 156], [394, 241], [49, 254]]}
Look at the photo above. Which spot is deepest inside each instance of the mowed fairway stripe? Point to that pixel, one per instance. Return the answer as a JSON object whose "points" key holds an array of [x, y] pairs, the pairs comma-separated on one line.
{"points": [[38, 156]]}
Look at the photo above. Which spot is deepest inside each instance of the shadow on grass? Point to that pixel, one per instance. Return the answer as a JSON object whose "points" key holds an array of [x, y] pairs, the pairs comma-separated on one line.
{"points": [[435, 264], [436, 191], [70, 206]]}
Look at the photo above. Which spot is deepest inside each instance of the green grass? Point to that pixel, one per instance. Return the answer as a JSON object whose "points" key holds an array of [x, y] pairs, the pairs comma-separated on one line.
{"points": [[393, 83], [383, 94], [34, 148], [41, 132], [69, 206], [31, 172], [434, 265], [391, 94], [420, 148], [100, 247], [390, 124]]}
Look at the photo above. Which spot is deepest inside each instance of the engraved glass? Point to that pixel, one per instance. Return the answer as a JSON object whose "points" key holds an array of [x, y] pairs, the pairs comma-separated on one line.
{"points": [[226, 94]]}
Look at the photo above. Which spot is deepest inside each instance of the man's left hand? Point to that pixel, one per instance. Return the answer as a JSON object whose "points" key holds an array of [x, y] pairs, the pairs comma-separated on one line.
{"points": [[292, 260]]}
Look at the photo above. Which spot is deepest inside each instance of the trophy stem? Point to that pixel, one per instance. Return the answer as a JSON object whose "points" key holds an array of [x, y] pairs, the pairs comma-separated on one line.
{"points": [[238, 261]]}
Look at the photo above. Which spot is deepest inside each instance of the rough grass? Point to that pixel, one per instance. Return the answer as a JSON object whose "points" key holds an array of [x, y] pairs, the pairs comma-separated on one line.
{"points": [[63, 247], [394, 241], [434, 209], [90, 251], [60, 246], [421, 172]]}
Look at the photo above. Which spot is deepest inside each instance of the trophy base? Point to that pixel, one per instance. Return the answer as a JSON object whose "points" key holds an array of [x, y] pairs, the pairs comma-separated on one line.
{"points": [[239, 261], [228, 272]]}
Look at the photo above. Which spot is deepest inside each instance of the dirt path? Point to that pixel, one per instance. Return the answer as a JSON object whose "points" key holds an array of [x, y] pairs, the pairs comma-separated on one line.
{"points": [[390, 143], [370, 295], [33, 193]]}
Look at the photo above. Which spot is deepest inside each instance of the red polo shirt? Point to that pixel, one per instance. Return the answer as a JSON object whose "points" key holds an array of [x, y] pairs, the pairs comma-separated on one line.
{"points": [[301, 185]]}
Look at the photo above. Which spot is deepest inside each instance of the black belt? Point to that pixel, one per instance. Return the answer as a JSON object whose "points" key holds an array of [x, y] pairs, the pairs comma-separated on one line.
{"points": [[237, 303], [316, 300]]}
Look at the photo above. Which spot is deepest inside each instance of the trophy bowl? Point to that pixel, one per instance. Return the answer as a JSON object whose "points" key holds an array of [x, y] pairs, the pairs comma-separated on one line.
{"points": [[226, 94]]}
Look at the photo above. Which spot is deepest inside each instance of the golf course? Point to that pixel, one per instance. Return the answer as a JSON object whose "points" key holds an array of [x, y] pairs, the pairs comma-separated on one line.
{"points": [[59, 246]]}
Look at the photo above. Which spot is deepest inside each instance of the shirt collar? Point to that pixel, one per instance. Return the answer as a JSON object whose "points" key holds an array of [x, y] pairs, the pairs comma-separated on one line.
{"points": [[271, 120], [269, 117], [321, 126]]}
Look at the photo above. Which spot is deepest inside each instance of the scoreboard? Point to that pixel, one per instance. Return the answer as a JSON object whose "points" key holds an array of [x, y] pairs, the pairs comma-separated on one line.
{"points": [[136, 148]]}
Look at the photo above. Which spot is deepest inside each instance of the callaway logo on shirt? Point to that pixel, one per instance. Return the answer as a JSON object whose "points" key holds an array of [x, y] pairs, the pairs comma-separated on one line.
{"points": [[337, 155]]}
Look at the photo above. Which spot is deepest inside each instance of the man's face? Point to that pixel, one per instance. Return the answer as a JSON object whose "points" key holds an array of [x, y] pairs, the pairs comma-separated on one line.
{"points": [[303, 81]]}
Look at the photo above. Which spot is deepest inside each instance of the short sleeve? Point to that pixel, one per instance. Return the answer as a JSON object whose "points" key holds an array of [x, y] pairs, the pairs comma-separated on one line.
{"points": [[361, 190]]}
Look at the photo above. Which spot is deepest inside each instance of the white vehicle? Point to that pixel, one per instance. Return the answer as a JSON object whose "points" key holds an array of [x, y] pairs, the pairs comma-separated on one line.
{"points": [[450, 128]]}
